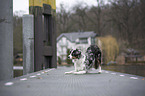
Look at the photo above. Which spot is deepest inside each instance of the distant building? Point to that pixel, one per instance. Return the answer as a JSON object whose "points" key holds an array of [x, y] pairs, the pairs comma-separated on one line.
{"points": [[80, 40], [131, 56]]}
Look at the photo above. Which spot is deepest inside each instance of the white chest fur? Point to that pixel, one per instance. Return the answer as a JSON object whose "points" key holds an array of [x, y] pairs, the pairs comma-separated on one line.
{"points": [[79, 63]]}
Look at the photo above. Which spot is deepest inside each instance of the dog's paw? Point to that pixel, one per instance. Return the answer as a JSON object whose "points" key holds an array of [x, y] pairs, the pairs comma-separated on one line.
{"points": [[66, 73], [70, 72], [99, 72], [80, 72]]}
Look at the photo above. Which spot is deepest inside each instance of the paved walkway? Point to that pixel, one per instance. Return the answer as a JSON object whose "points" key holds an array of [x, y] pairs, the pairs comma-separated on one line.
{"points": [[53, 82]]}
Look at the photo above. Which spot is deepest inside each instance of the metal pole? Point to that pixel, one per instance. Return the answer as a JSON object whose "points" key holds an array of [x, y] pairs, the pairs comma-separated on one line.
{"points": [[6, 39]]}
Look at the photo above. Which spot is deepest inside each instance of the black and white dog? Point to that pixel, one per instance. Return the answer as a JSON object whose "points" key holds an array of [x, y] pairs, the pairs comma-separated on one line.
{"points": [[83, 63]]}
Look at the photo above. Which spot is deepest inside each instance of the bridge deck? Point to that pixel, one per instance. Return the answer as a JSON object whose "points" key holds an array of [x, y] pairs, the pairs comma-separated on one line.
{"points": [[53, 82]]}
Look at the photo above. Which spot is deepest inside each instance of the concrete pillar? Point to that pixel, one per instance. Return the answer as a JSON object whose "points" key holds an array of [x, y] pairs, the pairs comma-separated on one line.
{"points": [[6, 39], [28, 44]]}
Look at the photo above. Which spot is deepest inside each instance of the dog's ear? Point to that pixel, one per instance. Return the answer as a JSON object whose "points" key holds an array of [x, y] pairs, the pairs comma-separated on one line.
{"points": [[70, 50], [79, 52], [78, 49]]}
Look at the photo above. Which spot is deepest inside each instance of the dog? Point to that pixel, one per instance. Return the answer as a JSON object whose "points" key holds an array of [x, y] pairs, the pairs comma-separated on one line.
{"points": [[83, 63]]}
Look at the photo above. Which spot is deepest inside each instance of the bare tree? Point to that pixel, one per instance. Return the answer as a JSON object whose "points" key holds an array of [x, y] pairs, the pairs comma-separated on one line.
{"points": [[121, 15], [79, 17], [97, 17], [17, 24], [63, 20], [123, 19]]}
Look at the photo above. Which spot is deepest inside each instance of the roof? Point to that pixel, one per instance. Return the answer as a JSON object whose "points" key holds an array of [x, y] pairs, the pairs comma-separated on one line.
{"points": [[75, 35]]}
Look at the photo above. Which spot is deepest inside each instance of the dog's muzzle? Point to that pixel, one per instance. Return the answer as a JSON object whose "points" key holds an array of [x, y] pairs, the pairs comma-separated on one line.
{"points": [[69, 57]]}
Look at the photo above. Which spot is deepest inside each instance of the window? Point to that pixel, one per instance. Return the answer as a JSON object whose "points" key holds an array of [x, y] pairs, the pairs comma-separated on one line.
{"points": [[92, 40], [83, 40]]}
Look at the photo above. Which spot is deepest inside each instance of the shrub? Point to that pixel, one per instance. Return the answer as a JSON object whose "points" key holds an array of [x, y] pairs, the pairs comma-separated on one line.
{"points": [[109, 47], [68, 61], [59, 60]]}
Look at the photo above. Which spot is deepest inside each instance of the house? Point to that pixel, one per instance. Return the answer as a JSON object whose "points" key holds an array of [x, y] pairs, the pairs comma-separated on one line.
{"points": [[80, 40]]}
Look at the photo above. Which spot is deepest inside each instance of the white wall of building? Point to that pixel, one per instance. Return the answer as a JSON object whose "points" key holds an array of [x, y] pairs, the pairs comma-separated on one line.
{"points": [[63, 44]]}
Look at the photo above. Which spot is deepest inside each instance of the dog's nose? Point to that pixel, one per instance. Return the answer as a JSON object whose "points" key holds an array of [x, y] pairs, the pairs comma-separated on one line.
{"points": [[68, 57]]}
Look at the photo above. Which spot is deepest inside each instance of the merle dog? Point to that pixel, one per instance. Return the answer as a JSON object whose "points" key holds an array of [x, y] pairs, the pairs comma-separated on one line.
{"points": [[83, 63]]}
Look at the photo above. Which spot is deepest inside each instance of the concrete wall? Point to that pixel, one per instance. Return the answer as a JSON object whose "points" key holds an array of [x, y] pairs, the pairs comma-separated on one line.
{"points": [[6, 39], [28, 44]]}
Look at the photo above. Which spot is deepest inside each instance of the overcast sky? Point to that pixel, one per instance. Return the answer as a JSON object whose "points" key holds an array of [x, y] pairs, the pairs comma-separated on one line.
{"points": [[23, 5]]}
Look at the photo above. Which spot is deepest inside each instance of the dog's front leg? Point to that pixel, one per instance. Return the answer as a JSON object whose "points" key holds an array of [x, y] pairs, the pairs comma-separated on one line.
{"points": [[71, 72], [100, 71], [76, 67]]}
